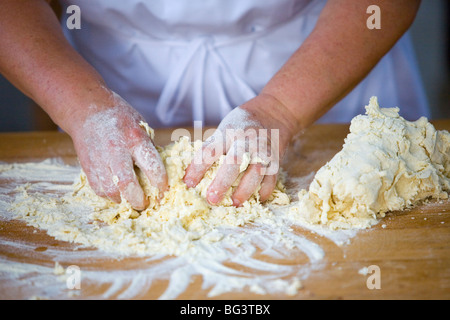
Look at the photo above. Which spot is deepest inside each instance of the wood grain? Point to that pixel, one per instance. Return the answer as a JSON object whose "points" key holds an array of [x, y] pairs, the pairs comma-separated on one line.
{"points": [[411, 248]]}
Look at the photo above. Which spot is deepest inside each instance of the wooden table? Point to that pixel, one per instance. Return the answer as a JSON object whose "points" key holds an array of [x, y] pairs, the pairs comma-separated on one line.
{"points": [[410, 248]]}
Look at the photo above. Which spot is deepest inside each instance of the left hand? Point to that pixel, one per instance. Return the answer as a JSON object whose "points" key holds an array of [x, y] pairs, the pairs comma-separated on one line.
{"points": [[258, 128]]}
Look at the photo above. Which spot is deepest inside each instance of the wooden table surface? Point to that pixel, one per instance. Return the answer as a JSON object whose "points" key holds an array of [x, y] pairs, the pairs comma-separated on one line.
{"points": [[410, 248]]}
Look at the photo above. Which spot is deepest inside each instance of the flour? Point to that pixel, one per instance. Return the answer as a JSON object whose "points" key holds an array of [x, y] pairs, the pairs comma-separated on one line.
{"points": [[72, 214], [386, 164], [178, 222]]}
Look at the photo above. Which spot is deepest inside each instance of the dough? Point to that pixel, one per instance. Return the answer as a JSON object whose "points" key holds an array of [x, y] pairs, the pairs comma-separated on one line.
{"points": [[386, 164], [183, 214]]}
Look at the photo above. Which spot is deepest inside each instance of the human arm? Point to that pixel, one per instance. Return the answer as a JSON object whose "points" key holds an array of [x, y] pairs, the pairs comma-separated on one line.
{"points": [[335, 57], [37, 59]]}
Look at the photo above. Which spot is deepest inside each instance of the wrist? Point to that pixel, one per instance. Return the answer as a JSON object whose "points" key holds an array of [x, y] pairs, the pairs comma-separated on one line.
{"points": [[69, 111], [273, 115]]}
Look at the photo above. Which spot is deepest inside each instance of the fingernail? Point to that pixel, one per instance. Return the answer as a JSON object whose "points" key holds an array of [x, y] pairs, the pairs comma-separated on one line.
{"points": [[189, 183], [236, 203], [213, 198]]}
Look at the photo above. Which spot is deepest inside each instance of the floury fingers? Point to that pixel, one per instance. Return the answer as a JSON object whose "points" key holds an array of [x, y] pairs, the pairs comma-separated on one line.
{"points": [[247, 145], [242, 137]]}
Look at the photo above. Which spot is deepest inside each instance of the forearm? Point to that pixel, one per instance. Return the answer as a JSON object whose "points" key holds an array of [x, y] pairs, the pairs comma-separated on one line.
{"points": [[337, 55], [37, 59]]}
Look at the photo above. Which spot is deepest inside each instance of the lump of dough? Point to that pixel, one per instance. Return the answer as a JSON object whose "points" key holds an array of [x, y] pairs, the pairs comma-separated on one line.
{"points": [[386, 164], [177, 157], [181, 205]]}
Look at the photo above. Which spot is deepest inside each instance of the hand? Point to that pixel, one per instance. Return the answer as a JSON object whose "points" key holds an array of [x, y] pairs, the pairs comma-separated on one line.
{"points": [[253, 130], [109, 143]]}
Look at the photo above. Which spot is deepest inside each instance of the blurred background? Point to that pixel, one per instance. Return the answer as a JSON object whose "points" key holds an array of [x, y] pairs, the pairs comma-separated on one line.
{"points": [[430, 33]]}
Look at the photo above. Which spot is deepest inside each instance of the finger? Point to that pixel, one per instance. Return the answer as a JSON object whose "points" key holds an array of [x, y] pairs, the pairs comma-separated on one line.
{"points": [[267, 186], [203, 159], [249, 183], [93, 179], [94, 183], [225, 177], [106, 181], [127, 183], [147, 158]]}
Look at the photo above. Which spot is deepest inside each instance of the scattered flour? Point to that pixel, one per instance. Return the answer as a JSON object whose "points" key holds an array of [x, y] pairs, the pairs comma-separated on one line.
{"points": [[386, 163]]}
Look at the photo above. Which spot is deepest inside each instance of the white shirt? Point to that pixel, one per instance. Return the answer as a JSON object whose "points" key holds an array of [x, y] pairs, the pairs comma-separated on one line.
{"points": [[179, 61]]}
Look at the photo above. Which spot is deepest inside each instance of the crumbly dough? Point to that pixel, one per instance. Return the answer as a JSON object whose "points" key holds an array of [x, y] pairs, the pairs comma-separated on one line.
{"points": [[386, 164], [183, 214]]}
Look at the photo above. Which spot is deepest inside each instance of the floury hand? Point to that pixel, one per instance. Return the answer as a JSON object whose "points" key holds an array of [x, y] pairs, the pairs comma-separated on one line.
{"points": [[110, 142], [253, 141]]}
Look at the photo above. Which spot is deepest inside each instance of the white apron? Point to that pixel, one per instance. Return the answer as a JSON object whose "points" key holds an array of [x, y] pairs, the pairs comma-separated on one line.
{"points": [[179, 61]]}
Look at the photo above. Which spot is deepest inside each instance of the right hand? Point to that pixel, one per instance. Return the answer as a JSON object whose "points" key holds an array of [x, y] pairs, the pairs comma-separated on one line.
{"points": [[109, 142]]}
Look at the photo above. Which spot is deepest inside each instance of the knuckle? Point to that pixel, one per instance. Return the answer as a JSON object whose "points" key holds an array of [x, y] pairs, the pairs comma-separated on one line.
{"points": [[136, 133]]}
